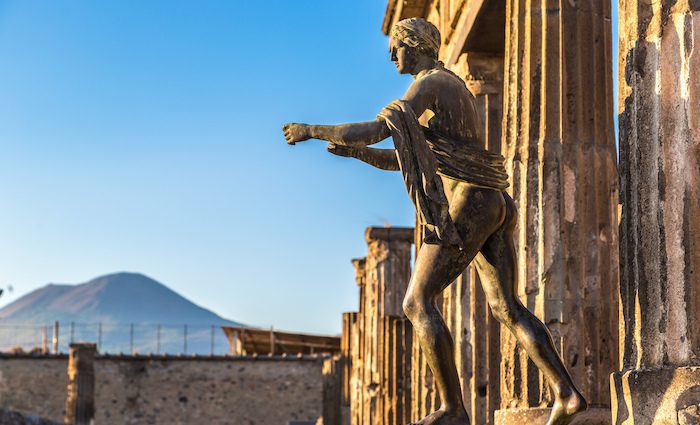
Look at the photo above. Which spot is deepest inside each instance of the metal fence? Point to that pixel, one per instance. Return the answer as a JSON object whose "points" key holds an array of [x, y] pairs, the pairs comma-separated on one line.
{"points": [[115, 338]]}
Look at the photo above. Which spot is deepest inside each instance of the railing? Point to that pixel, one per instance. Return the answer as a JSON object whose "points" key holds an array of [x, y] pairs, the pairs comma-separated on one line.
{"points": [[114, 338]]}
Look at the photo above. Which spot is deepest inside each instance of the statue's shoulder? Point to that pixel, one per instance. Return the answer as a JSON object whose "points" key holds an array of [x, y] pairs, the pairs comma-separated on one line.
{"points": [[430, 74], [439, 76], [433, 83], [431, 79]]}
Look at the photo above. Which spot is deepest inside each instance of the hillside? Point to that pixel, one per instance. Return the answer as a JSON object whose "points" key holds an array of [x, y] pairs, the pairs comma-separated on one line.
{"points": [[114, 298], [121, 312]]}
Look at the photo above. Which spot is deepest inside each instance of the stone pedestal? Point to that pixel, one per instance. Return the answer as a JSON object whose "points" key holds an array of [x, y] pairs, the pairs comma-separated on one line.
{"points": [[661, 396], [538, 416]]}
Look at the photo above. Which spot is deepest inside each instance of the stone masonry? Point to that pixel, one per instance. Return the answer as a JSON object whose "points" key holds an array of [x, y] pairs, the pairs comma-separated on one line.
{"points": [[140, 390], [80, 398]]}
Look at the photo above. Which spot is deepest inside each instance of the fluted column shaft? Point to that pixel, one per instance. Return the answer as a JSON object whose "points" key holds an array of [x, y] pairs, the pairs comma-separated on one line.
{"points": [[560, 152], [659, 142], [660, 231], [383, 278]]}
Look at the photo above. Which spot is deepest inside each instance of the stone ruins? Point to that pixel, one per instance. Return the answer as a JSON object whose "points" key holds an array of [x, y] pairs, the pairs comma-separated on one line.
{"points": [[607, 258], [609, 254]]}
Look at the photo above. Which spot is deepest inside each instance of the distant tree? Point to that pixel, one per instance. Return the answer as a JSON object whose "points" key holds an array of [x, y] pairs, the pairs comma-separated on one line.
{"points": [[9, 289]]}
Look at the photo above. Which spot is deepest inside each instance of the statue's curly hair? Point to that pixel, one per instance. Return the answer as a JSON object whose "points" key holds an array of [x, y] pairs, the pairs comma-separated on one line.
{"points": [[418, 34]]}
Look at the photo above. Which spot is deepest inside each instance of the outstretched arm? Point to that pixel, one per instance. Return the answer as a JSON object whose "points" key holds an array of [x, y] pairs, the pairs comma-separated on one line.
{"points": [[420, 95], [355, 134], [384, 159]]}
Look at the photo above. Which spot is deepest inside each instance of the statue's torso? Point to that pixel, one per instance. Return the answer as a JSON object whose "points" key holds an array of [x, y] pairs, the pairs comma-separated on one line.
{"points": [[454, 116], [453, 108]]}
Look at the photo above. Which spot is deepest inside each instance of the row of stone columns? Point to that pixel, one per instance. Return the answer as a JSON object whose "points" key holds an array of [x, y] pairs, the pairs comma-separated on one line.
{"points": [[545, 101], [554, 70]]}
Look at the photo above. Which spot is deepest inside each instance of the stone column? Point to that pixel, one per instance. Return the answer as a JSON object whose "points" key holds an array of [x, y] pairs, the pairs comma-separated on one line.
{"points": [[397, 340], [387, 270], [660, 228], [348, 340], [80, 401], [383, 278], [560, 153], [356, 338], [54, 338], [332, 391]]}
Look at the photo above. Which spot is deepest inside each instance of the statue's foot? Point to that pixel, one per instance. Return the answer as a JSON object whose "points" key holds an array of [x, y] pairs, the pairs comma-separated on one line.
{"points": [[443, 417], [566, 408]]}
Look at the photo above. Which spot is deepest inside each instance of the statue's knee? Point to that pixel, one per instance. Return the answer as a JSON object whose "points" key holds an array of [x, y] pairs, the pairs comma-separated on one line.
{"points": [[411, 306]]}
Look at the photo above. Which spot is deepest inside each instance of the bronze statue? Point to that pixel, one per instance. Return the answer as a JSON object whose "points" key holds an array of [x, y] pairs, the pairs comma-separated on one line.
{"points": [[458, 190]]}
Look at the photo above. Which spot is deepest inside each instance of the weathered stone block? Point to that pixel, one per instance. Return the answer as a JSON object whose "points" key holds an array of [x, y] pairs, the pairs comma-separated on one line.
{"points": [[660, 396]]}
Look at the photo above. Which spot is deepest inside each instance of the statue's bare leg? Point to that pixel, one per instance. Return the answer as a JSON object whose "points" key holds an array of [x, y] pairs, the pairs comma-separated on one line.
{"points": [[477, 213], [434, 266], [496, 264]]}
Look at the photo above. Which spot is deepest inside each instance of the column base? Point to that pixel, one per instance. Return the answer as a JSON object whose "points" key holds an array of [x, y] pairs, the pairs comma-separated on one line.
{"points": [[661, 396], [539, 416]]}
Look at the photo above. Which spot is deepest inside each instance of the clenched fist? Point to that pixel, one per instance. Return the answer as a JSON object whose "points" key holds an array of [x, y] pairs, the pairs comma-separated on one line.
{"points": [[295, 132]]}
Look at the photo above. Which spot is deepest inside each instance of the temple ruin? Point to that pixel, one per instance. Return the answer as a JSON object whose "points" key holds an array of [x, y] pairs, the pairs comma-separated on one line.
{"points": [[608, 251], [607, 261]]}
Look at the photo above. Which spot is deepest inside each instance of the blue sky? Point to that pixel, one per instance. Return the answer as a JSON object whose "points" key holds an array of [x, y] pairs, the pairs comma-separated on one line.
{"points": [[145, 136]]}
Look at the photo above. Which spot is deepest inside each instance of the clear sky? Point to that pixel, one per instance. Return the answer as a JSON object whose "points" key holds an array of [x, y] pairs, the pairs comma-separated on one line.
{"points": [[145, 136]]}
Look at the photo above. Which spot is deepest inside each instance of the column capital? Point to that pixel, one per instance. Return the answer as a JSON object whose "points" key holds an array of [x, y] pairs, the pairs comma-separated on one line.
{"points": [[359, 264], [389, 234]]}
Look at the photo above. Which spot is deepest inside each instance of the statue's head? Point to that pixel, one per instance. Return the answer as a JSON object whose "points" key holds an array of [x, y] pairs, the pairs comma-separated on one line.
{"points": [[413, 41]]}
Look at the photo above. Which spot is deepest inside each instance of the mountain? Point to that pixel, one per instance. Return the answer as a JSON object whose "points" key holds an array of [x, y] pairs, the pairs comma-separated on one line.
{"points": [[121, 312], [114, 298]]}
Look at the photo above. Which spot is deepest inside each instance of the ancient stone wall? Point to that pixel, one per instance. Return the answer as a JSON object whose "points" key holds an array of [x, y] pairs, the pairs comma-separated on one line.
{"points": [[34, 386], [171, 390]]}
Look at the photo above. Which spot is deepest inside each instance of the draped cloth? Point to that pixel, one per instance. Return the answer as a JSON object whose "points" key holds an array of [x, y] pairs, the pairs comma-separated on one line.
{"points": [[424, 155]]}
